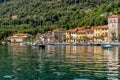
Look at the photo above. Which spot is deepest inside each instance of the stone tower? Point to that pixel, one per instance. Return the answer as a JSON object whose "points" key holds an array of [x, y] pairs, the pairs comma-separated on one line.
{"points": [[113, 26]]}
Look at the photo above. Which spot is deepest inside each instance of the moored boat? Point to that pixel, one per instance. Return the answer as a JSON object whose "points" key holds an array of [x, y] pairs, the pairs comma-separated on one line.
{"points": [[107, 46], [41, 45]]}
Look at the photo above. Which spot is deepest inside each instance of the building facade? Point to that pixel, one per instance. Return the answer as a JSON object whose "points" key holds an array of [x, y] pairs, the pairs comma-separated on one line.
{"points": [[58, 34], [81, 35], [114, 27], [18, 37], [101, 33], [90, 35]]}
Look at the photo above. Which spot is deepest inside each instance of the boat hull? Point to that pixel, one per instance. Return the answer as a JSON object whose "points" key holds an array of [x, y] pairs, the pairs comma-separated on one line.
{"points": [[107, 46]]}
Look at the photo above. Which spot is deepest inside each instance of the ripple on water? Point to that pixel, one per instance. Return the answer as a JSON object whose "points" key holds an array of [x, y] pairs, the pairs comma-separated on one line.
{"points": [[8, 76], [18, 69], [80, 79], [38, 70], [113, 77], [59, 73]]}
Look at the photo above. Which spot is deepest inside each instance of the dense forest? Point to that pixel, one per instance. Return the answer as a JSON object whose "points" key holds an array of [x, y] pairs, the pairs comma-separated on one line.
{"points": [[33, 16]]}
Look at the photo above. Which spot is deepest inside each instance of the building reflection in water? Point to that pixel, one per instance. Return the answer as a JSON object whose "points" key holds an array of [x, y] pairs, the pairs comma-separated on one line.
{"points": [[81, 59], [79, 53], [107, 59], [112, 58], [85, 52], [23, 59], [98, 54], [17, 48], [55, 52]]}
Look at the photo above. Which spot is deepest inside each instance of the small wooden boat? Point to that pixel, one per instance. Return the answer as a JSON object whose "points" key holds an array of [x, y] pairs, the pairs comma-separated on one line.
{"points": [[107, 46]]}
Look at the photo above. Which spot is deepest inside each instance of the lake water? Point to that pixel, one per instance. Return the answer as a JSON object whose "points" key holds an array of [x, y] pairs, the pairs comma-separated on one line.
{"points": [[59, 63]]}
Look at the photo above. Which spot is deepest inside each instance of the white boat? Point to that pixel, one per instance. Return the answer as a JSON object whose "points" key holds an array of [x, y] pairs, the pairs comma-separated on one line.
{"points": [[34, 43], [107, 46]]}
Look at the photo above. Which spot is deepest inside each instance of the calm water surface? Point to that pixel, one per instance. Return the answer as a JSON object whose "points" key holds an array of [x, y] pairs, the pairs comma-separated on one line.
{"points": [[59, 63]]}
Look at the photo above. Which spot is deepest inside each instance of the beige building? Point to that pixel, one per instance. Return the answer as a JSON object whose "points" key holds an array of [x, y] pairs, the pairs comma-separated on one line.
{"points": [[90, 35], [114, 26], [81, 35], [18, 37]]}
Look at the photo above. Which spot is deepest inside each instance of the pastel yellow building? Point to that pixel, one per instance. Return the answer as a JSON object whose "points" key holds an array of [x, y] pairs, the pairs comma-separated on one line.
{"points": [[101, 33], [68, 35], [71, 35], [96, 34]]}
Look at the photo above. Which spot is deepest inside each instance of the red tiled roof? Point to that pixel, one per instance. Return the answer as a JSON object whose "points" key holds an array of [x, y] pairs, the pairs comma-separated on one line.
{"points": [[20, 35], [90, 30], [15, 37], [74, 30], [114, 16], [101, 27], [81, 31]]}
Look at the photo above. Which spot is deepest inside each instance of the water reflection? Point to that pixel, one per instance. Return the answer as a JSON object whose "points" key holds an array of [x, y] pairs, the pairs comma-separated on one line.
{"points": [[59, 63], [112, 58], [23, 62]]}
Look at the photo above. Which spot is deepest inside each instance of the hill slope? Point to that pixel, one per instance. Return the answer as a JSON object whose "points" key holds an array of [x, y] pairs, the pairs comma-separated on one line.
{"points": [[33, 16]]}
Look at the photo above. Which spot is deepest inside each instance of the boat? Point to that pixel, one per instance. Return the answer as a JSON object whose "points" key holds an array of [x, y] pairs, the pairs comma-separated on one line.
{"points": [[34, 43], [107, 46], [97, 44], [41, 45]]}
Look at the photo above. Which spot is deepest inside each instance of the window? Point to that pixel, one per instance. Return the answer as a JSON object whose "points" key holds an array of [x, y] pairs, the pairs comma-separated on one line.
{"points": [[112, 25], [110, 20], [114, 20]]}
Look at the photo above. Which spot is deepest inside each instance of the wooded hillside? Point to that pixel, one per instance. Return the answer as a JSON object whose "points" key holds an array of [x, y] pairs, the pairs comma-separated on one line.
{"points": [[33, 16]]}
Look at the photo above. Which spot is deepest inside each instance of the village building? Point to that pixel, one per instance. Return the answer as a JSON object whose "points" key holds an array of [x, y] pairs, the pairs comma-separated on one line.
{"points": [[68, 35], [81, 35], [104, 33], [58, 34], [71, 35], [50, 39], [14, 17], [114, 27], [90, 35], [18, 37], [46, 38], [101, 33]]}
